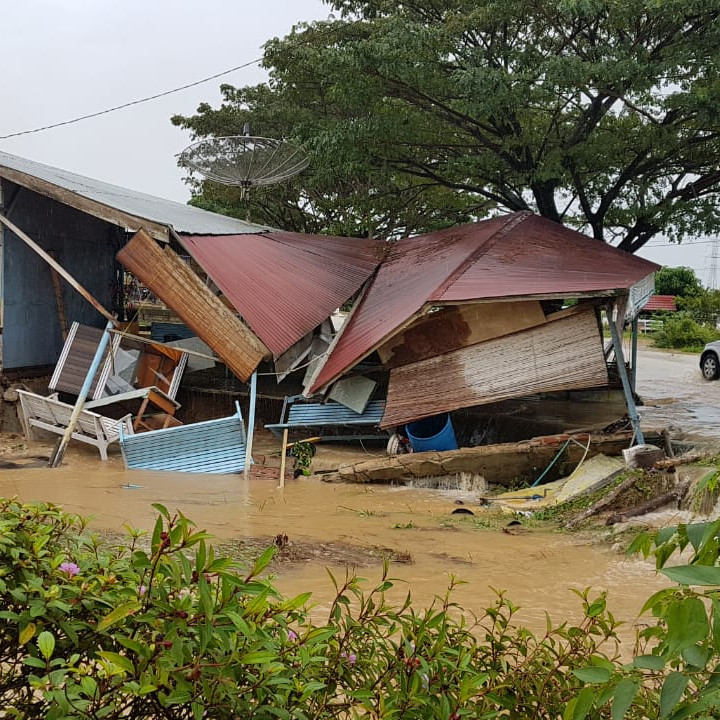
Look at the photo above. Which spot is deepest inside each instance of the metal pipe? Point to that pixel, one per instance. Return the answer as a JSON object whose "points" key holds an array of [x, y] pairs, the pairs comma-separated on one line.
{"points": [[57, 456], [629, 400], [251, 424], [633, 355], [59, 268]]}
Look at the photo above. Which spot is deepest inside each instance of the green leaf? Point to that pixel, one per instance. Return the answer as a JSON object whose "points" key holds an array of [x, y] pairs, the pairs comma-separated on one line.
{"points": [[258, 657], [693, 574], [672, 690], [162, 510], [625, 693], [698, 533], [120, 661], [119, 613], [592, 674], [264, 560], [46, 644], [696, 656], [649, 662], [584, 703], [27, 633]]}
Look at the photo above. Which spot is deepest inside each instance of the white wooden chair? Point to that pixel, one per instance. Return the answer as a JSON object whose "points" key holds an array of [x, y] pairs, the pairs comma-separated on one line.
{"points": [[48, 413]]}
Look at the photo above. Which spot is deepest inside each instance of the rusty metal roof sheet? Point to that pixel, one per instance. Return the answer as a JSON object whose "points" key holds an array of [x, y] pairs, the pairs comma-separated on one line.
{"points": [[285, 284], [660, 302], [116, 204], [518, 255]]}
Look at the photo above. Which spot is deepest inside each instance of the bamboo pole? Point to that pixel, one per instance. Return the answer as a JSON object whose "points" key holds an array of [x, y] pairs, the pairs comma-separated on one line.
{"points": [[283, 457], [57, 456], [58, 268]]}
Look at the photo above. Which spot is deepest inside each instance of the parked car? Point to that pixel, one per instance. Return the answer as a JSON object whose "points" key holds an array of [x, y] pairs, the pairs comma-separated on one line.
{"points": [[710, 360]]}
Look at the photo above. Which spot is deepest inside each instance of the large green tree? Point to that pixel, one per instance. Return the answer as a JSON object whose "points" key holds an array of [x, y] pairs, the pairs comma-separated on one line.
{"points": [[599, 114]]}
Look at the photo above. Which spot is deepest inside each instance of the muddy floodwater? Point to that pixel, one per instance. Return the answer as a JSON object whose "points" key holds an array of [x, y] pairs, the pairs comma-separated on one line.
{"points": [[346, 524], [338, 526]]}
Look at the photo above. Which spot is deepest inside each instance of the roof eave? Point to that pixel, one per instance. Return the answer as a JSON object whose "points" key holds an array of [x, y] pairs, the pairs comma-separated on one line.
{"points": [[92, 207]]}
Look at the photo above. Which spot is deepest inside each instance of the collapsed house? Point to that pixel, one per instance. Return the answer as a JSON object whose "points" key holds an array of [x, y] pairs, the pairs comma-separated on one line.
{"points": [[451, 320]]}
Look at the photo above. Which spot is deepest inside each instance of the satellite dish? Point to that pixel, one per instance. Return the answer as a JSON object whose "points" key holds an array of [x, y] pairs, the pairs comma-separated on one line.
{"points": [[244, 160]]}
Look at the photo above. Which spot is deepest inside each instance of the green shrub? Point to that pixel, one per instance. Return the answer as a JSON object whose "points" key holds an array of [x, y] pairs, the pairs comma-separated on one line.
{"points": [[88, 631], [172, 631], [682, 331]]}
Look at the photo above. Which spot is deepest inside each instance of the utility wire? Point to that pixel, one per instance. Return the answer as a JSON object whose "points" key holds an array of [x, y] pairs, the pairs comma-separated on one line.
{"points": [[132, 102]]}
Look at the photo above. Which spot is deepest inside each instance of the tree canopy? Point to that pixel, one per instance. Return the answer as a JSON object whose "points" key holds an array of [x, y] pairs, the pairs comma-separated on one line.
{"points": [[679, 281], [600, 114]]}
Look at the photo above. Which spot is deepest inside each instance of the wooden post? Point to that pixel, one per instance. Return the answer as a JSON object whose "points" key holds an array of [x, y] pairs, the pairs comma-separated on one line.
{"points": [[251, 424], [58, 268], [57, 456], [283, 457], [62, 315]]}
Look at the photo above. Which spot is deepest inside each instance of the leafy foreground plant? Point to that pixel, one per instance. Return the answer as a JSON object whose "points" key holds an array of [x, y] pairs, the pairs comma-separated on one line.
{"points": [[676, 674], [89, 631]]}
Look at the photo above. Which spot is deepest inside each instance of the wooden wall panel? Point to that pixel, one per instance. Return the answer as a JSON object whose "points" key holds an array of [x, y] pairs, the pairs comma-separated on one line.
{"points": [[456, 327], [161, 270], [560, 355]]}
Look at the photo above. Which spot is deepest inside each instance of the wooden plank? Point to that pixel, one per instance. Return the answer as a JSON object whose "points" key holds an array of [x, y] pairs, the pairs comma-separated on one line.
{"points": [[457, 327], [75, 359], [559, 355], [165, 274]]}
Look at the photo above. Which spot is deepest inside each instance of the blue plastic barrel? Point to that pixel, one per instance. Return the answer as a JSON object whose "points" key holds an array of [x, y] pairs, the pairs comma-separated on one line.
{"points": [[433, 433]]}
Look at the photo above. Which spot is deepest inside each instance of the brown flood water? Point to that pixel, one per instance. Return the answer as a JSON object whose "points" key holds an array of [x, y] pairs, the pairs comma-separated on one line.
{"points": [[538, 570]]}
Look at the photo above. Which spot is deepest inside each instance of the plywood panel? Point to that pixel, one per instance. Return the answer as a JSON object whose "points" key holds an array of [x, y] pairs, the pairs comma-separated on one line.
{"points": [[161, 270], [559, 355], [457, 327]]}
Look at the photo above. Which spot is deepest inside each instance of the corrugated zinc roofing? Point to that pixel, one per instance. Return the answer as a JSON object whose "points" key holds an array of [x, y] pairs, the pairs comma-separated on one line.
{"points": [[182, 218], [660, 302], [519, 255], [285, 284]]}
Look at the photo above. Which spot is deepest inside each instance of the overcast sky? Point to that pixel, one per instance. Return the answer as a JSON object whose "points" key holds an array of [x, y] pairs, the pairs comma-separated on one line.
{"points": [[67, 58]]}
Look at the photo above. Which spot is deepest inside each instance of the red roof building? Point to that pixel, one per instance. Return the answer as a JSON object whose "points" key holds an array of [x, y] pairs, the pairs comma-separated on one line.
{"points": [[517, 256], [660, 302]]}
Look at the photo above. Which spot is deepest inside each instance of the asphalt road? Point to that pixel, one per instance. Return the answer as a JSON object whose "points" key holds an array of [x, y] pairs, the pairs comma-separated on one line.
{"points": [[675, 393]]}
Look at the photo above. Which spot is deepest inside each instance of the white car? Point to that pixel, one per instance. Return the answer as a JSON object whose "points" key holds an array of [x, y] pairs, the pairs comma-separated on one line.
{"points": [[710, 360]]}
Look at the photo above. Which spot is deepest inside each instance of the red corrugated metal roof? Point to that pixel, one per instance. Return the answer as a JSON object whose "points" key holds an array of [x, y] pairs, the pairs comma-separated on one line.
{"points": [[520, 255], [660, 302], [285, 284]]}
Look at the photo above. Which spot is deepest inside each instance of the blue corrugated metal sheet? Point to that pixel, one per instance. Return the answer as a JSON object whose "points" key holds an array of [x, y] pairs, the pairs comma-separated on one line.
{"points": [[214, 446]]}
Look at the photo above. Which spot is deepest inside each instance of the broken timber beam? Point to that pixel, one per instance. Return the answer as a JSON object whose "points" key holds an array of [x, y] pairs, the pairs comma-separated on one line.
{"points": [[166, 275], [57, 268]]}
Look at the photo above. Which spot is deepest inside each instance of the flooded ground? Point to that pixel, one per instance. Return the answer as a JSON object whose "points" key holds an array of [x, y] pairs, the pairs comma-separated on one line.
{"points": [[337, 525], [340, 526], [675, 393]]}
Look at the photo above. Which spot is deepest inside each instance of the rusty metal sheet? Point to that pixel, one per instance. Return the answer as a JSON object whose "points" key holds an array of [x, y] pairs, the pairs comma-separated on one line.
{"points": [[516, 256], [541, 257], [285, 284], [452, 328], [161, 270], [414, 269], [560, 355]]}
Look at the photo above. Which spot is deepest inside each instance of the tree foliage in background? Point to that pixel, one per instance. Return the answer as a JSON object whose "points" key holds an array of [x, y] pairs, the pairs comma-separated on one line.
{"points": [[677, 281], [599, 114]]}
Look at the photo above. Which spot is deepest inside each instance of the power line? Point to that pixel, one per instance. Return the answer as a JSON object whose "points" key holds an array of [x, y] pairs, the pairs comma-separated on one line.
{"points": [[131, 103]]}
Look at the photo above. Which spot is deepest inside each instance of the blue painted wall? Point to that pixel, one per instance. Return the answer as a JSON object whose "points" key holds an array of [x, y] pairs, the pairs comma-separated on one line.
{"points": [[82, 244]]}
